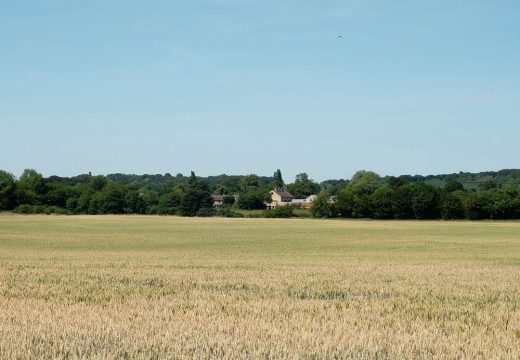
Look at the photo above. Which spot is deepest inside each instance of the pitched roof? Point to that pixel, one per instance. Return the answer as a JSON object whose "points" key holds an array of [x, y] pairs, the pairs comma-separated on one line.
{"points": [[283, 193]]}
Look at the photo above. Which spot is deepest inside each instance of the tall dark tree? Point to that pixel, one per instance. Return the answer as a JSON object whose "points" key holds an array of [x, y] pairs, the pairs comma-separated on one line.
{"points": [[277, 179], [193, 200], [345, 203], [196, 196], [425, 202], [381, 203], [402, 202], [7, 191], [192, 181]]}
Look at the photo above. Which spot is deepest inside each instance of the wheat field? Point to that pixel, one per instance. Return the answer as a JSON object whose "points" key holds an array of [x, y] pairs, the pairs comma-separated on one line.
{"points": [[137, 287]]}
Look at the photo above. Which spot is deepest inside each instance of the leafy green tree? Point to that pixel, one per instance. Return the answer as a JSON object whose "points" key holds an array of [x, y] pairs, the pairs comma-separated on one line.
{"points": [[402, 202], [354, 200], [505, 203], [195, 197], [83, 202], [303, 187], [396, 182], [134, 204], [453, 185], [111, 200], [150, 196], [248, 182], [193, 200], [425, 202], [333, 187], [487, 184], [222, 190], [382, 204], [322, 207], [451, 207], [7, 191], [57, 196], [254, 199], [30, 187], [229, 200], [360, 206], [252, 196], [33, 181], [345, 203], [480, 205], [364, 182], [170, 202], [72, 205], [97, 183]]}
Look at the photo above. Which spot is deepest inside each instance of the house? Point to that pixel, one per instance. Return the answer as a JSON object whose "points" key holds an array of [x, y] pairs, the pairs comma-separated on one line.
{"points": [[311, 198], [279, 197], [304, 203], [218, 200]]}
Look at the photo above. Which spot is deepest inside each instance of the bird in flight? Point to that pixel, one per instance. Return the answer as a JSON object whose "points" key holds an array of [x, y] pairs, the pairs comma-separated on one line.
{"points": [[340, 37]]}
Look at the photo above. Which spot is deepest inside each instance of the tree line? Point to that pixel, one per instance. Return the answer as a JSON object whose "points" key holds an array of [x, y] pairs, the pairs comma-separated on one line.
{"points": [[366, 195]]}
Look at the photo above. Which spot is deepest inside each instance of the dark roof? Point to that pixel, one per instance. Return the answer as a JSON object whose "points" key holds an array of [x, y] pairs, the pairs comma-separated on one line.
{"points": [[283, 193]]}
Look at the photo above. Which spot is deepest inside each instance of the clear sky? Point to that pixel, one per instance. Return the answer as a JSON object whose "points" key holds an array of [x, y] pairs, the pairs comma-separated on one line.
{"points": [[238, 86]]}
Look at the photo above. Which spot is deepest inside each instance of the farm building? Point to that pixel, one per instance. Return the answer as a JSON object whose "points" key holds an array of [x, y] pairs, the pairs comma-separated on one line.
{"points": [[218, 200], [281, 197]]}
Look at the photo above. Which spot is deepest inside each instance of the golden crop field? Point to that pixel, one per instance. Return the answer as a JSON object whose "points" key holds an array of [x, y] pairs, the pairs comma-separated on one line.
{"points": [[140, 287]]}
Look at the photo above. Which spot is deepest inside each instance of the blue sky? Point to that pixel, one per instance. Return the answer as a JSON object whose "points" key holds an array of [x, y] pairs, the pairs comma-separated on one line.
{"points": [[238, 86]]}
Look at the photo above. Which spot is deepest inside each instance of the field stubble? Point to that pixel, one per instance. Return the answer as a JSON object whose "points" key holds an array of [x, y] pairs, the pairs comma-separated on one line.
{"points": [[168, 287]]}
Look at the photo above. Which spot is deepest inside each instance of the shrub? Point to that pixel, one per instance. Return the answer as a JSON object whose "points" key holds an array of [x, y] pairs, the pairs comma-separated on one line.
{"points": [[40, 209], [227, 212], [24, 209], [206, 212], [279, 212], [323, 208]]}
